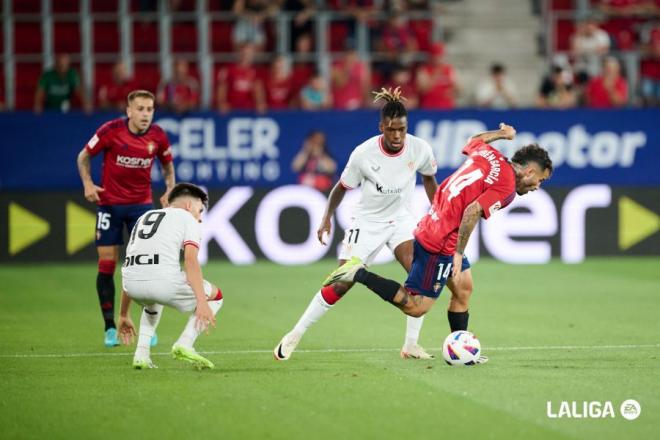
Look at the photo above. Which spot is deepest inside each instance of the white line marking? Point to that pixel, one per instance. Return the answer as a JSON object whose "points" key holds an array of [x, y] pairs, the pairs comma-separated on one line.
{"points": [[333, 350]]}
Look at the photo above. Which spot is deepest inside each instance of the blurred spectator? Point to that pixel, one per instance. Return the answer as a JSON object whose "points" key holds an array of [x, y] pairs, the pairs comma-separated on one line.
{"points": [[610, 89], [112, 95], [278, 85], [314, 164], [301, 24], [402, 78], [303, 68], [496, 91], [557, 90], [249, 27], [58, 86], [436, 81], [650, 69], [396, 42], [350, 82], [358, 11], [315, 95], [181, 93], [238, 88], [588, 46]]}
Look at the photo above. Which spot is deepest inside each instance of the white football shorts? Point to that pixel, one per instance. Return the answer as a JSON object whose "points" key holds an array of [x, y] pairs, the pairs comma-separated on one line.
{"points": [[171, 290], [365, 239]]}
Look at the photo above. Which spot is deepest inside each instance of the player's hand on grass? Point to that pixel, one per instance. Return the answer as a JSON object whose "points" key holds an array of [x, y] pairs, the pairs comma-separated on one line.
{"points": [[457, 266], [507, 131], [205, 317], [324, 231], [92, 192], [126, 330]]}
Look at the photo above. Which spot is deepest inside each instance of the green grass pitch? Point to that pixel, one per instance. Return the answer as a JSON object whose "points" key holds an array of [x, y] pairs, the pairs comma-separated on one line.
{"points": [[588, 332]]}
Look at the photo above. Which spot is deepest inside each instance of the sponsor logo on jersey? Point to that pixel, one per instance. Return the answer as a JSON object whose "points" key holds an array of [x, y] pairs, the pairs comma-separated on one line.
{"points": [[141, 260], [387, 191], [92, 142], [133, 162], [494, 208]]}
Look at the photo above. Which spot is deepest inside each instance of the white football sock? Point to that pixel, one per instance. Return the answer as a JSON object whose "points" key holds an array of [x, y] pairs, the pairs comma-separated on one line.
{"points": [[190, 332], [315, 310], [148, 323], [413, 327]]}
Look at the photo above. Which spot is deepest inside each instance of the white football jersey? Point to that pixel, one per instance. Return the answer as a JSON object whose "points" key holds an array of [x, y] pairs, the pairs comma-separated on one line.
{"points": [[387, 180], [156, 241]]}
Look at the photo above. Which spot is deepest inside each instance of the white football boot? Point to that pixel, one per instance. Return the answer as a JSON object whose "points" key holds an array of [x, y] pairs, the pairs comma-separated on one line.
{"points": [[415, 351], [286, 347]]}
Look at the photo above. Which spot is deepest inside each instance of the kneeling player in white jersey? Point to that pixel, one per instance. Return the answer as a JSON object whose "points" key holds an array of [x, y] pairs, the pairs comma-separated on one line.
{"points": [[386, 167], [152, 276]]}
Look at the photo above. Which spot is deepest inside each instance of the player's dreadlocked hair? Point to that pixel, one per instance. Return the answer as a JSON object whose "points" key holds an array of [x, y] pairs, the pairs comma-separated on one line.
{"points": [[185, 189], [533, 153], [393, 107]]}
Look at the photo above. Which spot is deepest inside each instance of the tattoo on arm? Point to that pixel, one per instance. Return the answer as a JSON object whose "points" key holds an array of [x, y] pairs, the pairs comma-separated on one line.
{"points": [[84, 167], [469, 221], [489, 136], [168, 175]]}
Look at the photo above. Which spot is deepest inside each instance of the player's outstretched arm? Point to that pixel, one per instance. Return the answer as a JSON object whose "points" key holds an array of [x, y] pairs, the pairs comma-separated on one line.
{"points": [[203, 312], [505, 132], [170, 181], [430, 186], [471, 217], [336, 196], [125, 325], [84, 169]]}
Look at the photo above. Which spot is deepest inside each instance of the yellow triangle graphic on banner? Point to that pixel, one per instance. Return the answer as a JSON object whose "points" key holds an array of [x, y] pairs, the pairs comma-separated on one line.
{"points": [[635, 223], [25, 228], [79, 227]]}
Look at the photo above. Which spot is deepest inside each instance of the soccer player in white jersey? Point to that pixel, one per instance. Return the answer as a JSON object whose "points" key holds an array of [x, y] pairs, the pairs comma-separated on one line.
{"points": [[386, 168], [152, 276]]}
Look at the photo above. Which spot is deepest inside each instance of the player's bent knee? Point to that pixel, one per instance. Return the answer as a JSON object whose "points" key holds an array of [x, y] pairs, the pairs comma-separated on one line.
{"points": [[216, 293], [341, 288]]}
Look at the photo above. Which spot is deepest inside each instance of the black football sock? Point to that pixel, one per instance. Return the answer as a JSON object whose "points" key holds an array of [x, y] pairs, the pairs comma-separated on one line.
{"points": [[458, 320], [105, 289], [383, 287]]}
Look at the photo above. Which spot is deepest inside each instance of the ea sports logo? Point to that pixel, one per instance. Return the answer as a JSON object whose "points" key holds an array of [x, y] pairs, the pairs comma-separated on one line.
{"points": [[630, 409]]}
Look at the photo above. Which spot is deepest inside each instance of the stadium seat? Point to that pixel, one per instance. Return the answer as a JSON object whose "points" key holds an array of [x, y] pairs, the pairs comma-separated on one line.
{"points": [[106, 37], [67, 37], [26, 6], [221, 36], [564, 29], [27, 38], [184, 37], [561, 5], [422, 30], [104, 6], [145, 36], [338, 34], [220, 5], [65, 6], [27, 77], [147, 75]]}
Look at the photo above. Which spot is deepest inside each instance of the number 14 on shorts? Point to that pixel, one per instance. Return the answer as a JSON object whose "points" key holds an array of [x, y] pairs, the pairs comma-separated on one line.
{"points": [[444, 269]]}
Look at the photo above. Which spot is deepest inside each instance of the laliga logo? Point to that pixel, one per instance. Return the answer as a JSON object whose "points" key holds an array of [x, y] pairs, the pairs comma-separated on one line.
{"points": [[630, 409]]}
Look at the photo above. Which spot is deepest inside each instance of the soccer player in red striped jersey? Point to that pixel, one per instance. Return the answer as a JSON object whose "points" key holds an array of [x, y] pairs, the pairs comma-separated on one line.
{"points": [[484, 184], [129, 146]]}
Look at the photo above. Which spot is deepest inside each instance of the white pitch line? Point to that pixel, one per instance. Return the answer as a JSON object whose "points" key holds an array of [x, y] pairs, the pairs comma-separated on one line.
{"points": [[333, 350]]}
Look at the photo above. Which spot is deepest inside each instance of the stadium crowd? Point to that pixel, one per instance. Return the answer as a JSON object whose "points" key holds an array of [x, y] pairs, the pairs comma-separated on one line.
{"points": [[590, 74]]}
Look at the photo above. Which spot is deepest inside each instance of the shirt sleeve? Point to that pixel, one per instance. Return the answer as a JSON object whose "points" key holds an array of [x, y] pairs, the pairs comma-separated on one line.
{"points": [[429, 166], [351, 176], [474, 145], [98, 142], [496, 198], [193, 232], [164, 149]]}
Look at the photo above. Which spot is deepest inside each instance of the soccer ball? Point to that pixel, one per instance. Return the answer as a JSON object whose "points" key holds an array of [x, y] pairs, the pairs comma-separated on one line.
{"points": [[461, 348]]}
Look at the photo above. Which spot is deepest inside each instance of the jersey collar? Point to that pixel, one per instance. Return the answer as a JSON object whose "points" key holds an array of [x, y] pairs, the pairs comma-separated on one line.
{"points": [[136, 134], [385, 152]]}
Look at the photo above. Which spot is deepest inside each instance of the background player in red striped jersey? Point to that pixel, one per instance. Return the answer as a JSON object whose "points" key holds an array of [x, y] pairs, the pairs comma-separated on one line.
{"points": [[129, 146], [484, 184]]}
